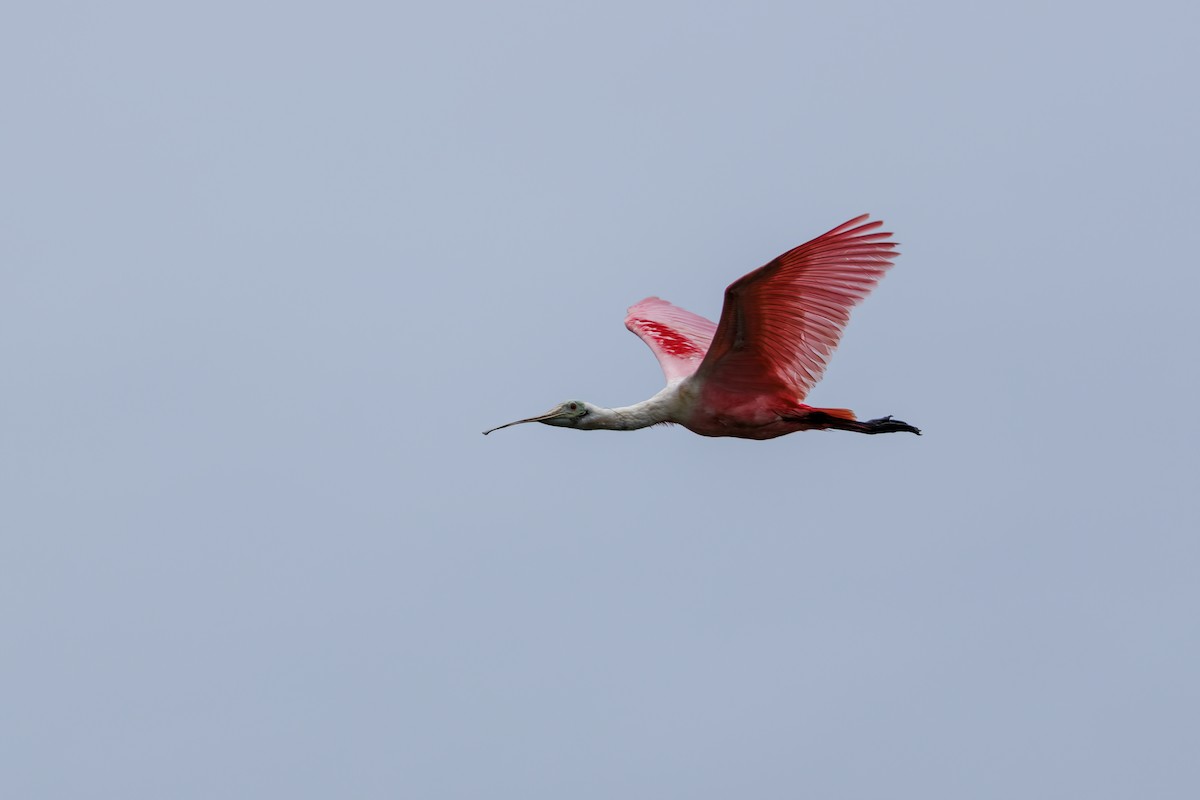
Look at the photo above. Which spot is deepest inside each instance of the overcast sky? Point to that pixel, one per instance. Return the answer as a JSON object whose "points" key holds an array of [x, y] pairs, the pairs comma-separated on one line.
{"points": [[268, 269]]}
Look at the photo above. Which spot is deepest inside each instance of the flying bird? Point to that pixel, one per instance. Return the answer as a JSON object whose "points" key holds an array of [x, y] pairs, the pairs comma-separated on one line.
{"points": [[747, 375]]}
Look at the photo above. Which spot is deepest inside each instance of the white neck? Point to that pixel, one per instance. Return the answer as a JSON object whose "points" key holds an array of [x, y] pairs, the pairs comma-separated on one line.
{"points": [[660, 408]]}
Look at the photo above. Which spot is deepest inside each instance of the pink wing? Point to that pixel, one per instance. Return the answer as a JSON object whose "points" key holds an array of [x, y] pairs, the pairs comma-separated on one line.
{"points": [[781, 322], [678, 338]]}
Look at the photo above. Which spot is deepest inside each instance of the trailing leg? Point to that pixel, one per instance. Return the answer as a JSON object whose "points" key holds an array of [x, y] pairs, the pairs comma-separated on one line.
{"points": [[844, 421], [884, 425]]}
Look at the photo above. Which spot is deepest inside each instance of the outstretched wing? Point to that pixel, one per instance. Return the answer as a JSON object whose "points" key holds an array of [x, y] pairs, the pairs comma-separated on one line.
{"points": [[781, 322], [678, 338]]}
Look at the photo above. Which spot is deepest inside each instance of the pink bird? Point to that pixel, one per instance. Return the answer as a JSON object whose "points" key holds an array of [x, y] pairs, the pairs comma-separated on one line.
{"points": [[747, 375]]}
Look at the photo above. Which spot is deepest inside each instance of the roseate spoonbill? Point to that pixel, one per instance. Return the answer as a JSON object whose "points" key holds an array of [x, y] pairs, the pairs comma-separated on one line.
{"points": [[747, 375]]}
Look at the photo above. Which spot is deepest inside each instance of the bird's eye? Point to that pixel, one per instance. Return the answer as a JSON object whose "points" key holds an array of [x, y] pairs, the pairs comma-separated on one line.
{"points": [[573, 406]]}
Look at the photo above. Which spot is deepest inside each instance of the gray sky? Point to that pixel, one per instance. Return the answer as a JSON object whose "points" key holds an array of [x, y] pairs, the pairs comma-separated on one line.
{"points": [[267, 270]]}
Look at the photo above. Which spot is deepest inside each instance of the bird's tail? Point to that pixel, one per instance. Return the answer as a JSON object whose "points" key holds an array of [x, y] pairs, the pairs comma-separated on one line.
{"points": [[837, 413]]}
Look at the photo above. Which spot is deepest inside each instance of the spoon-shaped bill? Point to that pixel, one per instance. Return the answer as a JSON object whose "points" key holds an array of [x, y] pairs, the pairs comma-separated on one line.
{"points": [[540, 418]]}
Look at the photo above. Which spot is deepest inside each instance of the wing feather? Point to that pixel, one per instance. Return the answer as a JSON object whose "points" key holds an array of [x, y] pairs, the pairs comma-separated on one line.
{"points": [[678, 338], [781, 322]]}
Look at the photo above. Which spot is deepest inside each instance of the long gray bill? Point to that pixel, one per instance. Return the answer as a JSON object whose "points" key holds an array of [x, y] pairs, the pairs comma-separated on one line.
{"points": [[547, 415]]}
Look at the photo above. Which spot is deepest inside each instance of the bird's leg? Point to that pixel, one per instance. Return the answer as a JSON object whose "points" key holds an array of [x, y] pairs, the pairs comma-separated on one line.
{"points": [[820, 419], [885, 425]]}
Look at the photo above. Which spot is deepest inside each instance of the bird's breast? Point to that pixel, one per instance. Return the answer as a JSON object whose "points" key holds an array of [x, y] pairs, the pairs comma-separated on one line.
{"points": [[729, 414]]}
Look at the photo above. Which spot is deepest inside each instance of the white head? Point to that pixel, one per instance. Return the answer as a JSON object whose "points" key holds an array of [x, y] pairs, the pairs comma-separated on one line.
{"points": [[571, 414]]}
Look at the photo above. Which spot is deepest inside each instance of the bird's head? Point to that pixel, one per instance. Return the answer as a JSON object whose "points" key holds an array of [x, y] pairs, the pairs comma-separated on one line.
{"points": [[571, 414]]}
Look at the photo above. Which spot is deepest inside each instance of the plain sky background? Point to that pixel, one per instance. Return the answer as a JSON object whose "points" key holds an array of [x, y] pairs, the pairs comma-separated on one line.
{"points": [[268, 269]]}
